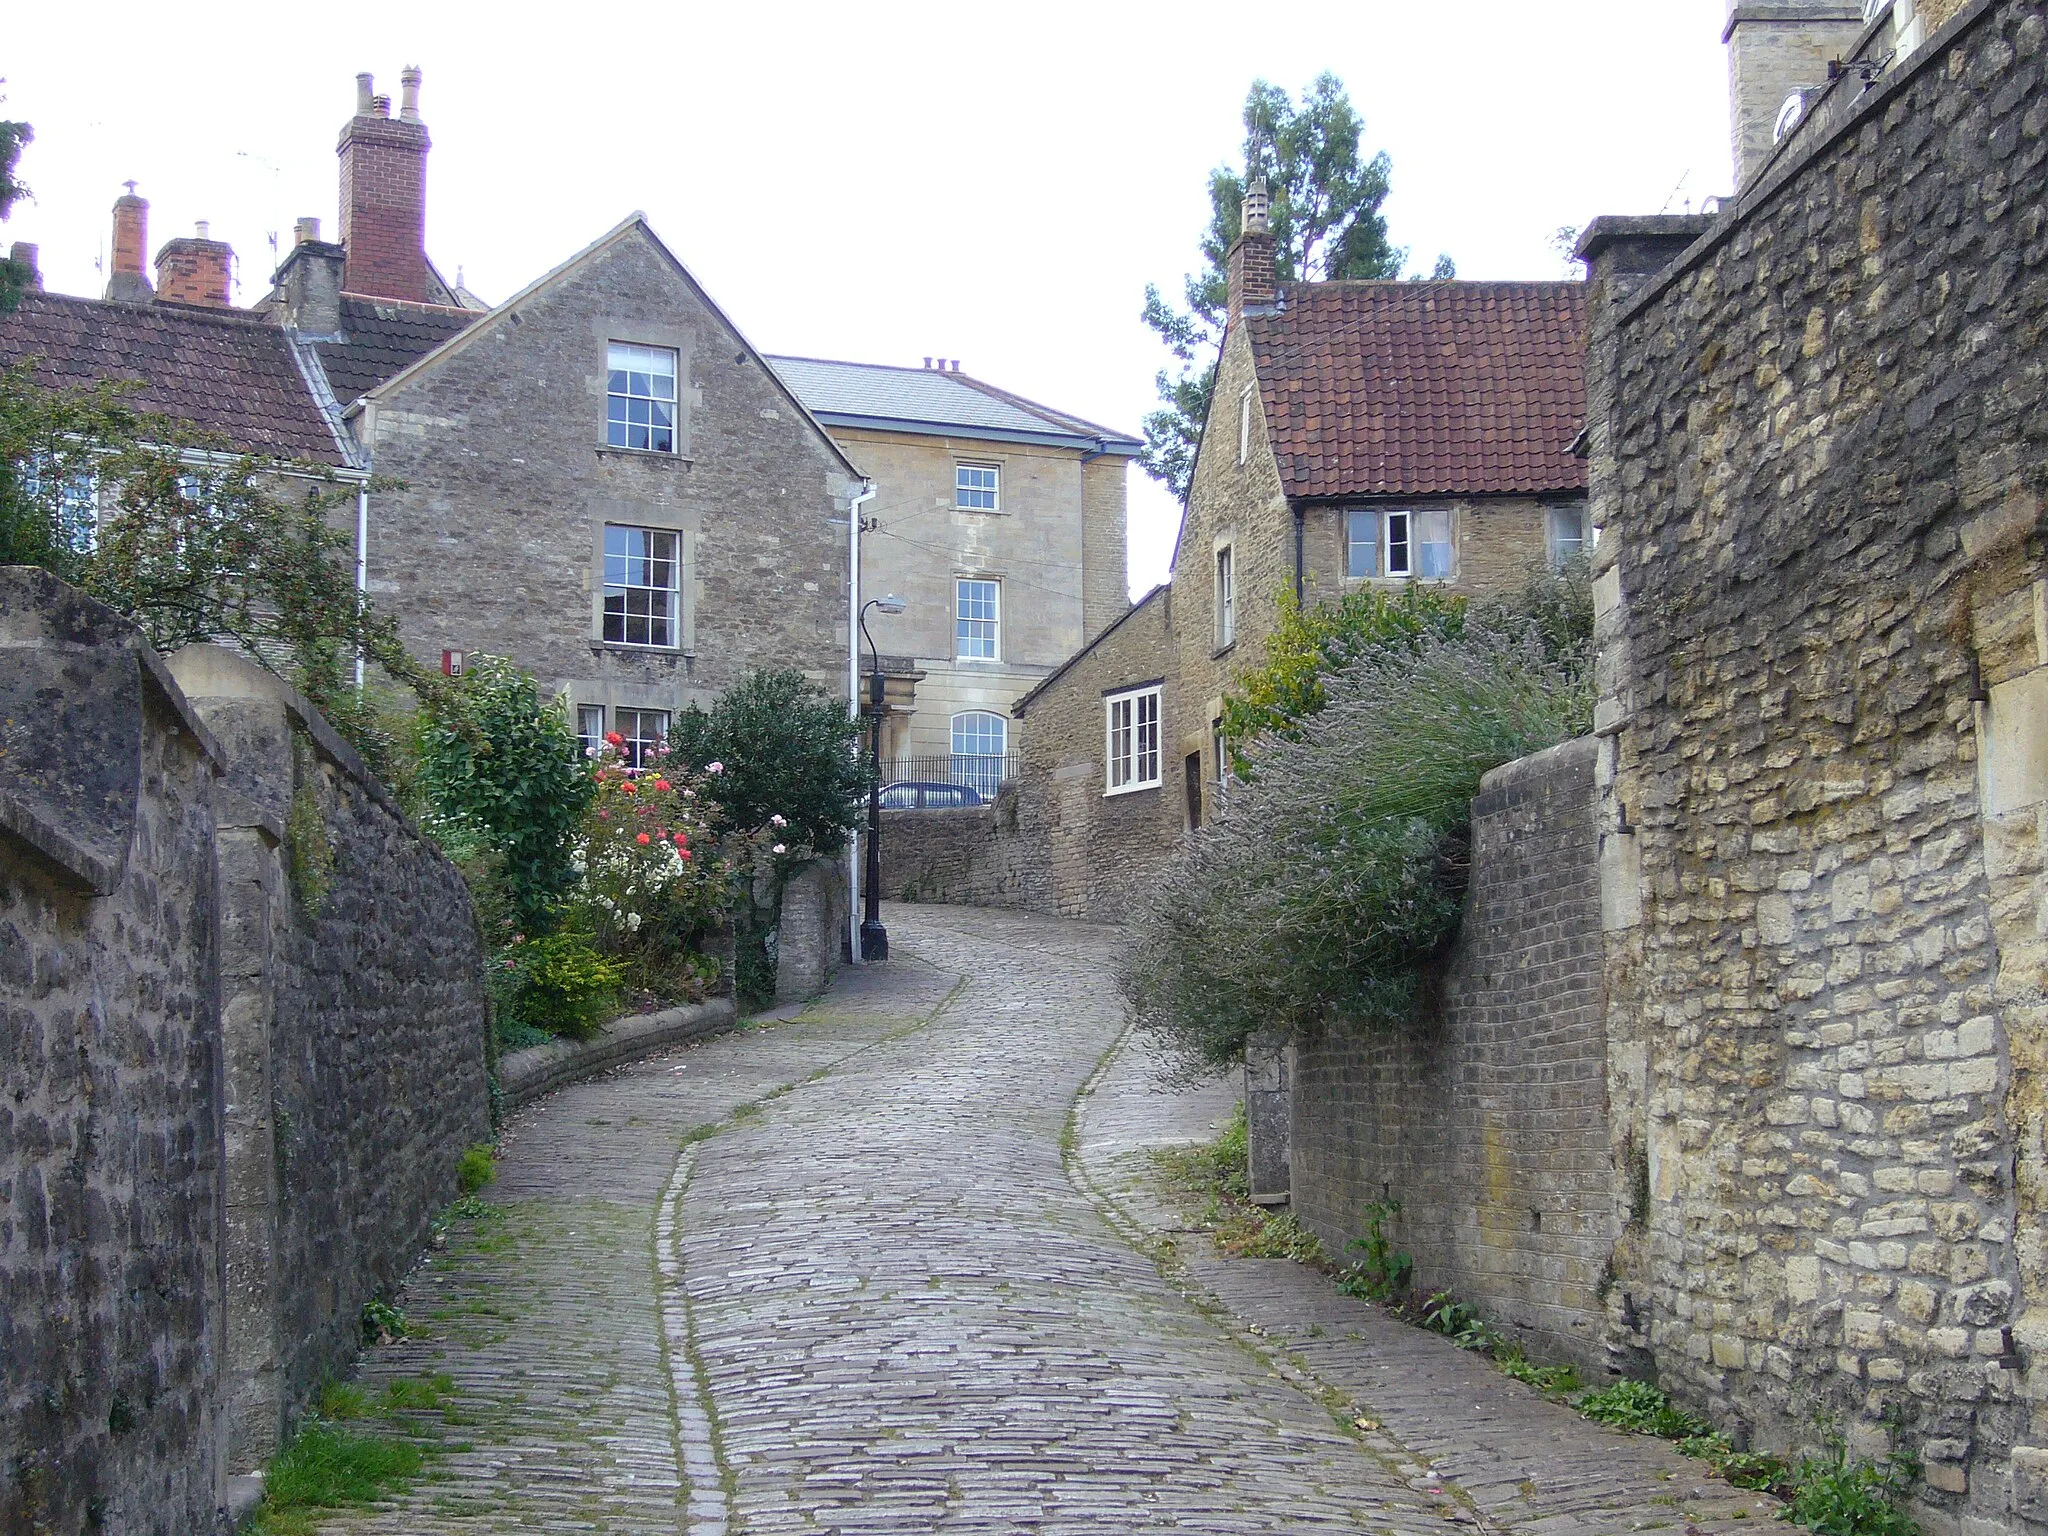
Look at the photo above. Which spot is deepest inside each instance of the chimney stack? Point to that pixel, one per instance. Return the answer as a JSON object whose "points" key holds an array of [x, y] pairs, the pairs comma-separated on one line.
{"points": [[195, 270], [25, 255], [131, 243], [1776, 47], [1253, 284], [383, 195]]}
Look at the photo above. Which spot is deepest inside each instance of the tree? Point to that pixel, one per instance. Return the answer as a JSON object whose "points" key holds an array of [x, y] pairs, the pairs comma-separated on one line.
{"points": [[194, 541], [1326, 198], [14, 276], [784, 747]]}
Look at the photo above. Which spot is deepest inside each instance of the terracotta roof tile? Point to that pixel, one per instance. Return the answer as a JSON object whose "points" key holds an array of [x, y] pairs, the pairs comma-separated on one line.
{"points": [[1424, 389], [223, 371]]}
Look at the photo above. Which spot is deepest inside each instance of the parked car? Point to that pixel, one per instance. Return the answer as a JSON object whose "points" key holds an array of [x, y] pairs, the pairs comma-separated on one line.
{"points": [[925, 795]]}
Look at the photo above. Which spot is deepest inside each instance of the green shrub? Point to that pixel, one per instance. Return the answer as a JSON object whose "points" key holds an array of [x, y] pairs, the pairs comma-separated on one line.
{"points": [[382, 1322], [784, 747], [479, 1166], [1329, 888], [1460, 1322], [501, 763], [563, 985]]}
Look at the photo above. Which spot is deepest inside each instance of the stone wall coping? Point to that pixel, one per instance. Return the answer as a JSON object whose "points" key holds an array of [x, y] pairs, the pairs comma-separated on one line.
{"points": [[1787, 169], [1789, 11], [213, 671], [1563, 756], [36, 597], [524, 1076]]}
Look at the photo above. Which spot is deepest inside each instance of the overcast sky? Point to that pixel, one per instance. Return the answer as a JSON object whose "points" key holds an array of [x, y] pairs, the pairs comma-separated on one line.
{"points": [[880, 181]]}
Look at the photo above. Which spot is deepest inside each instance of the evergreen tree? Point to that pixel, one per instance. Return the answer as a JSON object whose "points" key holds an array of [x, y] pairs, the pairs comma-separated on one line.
{"points": [[14, 277], [1326, 198]]}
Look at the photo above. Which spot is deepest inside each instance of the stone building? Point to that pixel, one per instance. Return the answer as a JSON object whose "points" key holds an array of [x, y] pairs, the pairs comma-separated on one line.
{"points": [[999, 521], [1360, 434], [1818, 473]]}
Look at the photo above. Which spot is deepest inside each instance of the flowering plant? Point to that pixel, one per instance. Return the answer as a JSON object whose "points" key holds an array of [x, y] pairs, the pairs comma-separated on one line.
{"points": [[651, 876]]}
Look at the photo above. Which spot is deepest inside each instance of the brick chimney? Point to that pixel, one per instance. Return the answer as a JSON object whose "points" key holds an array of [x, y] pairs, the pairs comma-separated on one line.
{"points": [[384, 195], [27, 256], [1253, 286], [195, 269], [1776, 47], [131, 243]]}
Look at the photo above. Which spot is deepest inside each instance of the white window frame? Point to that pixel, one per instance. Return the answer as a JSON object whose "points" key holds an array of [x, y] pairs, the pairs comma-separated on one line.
{"points": [[1562, 550], [1244, 424], [993, 490], [1397, 543], [1375, 525], [618, 426], [638, 742], [590, 728], [1226, 595], [976, 766], [1131, 732], [624, 588], [994, 621]]}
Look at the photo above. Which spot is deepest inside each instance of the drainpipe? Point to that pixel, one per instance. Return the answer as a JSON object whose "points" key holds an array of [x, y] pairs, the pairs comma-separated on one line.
{"points": [[865, 494], [362, 563], [1300, 519]]}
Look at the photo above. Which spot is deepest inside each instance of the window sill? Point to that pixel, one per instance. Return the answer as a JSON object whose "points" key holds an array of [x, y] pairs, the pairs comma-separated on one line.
{"points": [[1400, 581], [1133, 789], [621, 648], [607, 451], [1223, 650]]}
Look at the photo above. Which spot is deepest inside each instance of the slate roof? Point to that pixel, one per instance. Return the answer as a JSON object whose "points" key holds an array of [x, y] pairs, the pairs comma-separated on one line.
{"points": [[926, 399], [1424, 389], [220, 370], [382, 336]]}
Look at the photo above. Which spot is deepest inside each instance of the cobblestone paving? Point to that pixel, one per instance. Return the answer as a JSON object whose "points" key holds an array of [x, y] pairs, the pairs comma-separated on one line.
{"points": [[862, 1273]]}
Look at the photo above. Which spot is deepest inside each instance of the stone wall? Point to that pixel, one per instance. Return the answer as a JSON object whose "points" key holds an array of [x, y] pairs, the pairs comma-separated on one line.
{"points": [[810, 930], [969, 857], [110, 1154], [354, 1020], [1487, 1119], [1818, 466]]}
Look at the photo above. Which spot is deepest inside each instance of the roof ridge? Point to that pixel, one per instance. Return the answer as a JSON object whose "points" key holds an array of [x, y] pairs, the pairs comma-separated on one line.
{"points": [[250, 319]]}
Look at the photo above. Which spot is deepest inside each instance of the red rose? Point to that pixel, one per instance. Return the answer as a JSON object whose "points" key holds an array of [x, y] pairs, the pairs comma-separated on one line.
{"points": [[643, 839], [614, 738], [661, 783]]}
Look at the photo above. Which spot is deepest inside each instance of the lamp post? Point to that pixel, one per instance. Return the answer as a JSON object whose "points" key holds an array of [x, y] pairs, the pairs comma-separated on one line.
{"points": [[874, 938]]}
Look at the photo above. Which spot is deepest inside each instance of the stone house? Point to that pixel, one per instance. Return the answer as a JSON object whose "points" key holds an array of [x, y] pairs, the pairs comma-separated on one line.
{"points": [[1360, 434], [1001, 523]]}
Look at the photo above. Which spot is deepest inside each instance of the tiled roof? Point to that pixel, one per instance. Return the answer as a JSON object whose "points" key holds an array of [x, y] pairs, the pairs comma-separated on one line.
{"points": [[1424, 389], [220, 370], [383, 336], [872, 394]]}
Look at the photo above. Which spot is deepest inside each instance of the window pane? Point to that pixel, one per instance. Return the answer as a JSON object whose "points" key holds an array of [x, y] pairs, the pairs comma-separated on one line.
{"points": [[1362, 541], [640, 387], [1399, 562], [642, 586], [1433, 541], [976, 620]]}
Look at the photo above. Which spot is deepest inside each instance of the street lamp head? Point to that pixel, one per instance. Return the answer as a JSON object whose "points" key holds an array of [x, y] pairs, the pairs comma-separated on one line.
{"points": [[890, 604]]}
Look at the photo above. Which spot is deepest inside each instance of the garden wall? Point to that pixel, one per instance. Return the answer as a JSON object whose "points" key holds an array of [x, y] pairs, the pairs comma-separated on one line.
{"points": [[1487, 1120], [110, 1133], [970, 857], [1818, 464], [354, 1020]]}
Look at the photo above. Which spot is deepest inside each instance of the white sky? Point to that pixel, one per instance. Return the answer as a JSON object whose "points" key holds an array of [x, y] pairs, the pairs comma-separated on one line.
{"points": [[880, 181]]}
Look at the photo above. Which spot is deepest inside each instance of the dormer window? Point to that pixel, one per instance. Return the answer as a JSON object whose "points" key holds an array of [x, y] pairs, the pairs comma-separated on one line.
{"points": [[640, 397]]}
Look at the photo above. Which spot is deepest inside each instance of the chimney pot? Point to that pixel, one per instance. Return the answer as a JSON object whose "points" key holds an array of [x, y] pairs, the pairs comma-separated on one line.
{"points": [[409, 86], [305, 230], [365, 84], [1258, 209], [380, 106], [203, 229], [927, 362]]}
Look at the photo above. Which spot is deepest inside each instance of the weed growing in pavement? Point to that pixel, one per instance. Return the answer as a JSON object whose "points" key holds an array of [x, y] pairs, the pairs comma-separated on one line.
{"points": [[327, 1466], [382, 1322], [1460, 1322], [1637, 1408], [1383, 1272], [1213, 1180], [479, 1166]]}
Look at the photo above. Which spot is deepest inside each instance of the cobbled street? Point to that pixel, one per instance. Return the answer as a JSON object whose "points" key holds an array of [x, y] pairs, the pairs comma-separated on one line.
{"points": [[894, 1266]]}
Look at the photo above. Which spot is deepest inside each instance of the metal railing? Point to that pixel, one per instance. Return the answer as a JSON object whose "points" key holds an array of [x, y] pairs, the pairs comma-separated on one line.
{"points": [[978, 772]]}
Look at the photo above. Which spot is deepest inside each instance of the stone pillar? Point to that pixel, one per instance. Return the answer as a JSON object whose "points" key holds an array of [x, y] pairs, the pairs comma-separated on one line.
{"points": [[1776, 47], [809, 930], [1269, 1119]]}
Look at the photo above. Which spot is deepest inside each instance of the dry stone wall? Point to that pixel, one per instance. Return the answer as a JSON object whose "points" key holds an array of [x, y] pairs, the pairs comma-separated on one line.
{"points": [[1818, 466], [355, 1023], [110, 1157], [1486, 1118]]}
